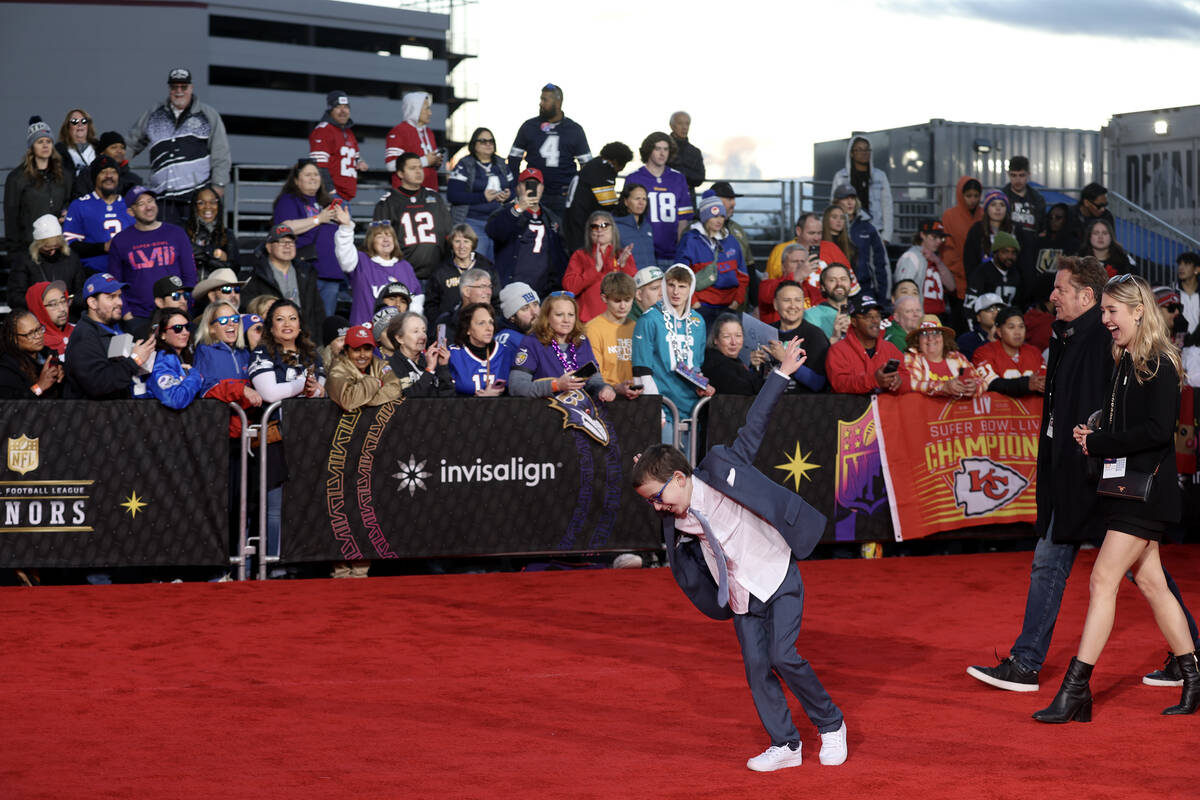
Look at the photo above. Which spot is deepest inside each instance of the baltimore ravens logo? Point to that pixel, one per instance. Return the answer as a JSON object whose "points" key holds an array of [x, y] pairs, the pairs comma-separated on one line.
{"points": [[522, 356], [579, 411]]}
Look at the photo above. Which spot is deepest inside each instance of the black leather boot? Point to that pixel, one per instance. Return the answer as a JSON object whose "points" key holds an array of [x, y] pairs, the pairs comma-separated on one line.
{"points": [[1190, 700], [1074, 698]]}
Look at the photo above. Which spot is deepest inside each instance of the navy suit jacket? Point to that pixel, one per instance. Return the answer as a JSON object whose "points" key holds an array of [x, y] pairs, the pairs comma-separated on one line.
{"points": [[800, 524]]}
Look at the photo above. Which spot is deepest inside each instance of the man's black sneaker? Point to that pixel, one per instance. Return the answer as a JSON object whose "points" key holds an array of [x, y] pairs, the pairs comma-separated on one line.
{"points": [[1169, 675], [1006, 675]]}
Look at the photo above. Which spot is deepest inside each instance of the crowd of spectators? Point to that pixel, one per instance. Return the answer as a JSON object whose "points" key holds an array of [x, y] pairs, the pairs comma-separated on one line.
{"points": [[517, 276]]}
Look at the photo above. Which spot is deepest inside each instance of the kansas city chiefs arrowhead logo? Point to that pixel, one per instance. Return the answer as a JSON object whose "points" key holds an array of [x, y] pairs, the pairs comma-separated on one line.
{"points": [[981, 486]]}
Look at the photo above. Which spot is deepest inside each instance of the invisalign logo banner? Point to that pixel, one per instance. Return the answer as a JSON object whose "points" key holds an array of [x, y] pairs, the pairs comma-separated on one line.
{"points": [[531, 473]]}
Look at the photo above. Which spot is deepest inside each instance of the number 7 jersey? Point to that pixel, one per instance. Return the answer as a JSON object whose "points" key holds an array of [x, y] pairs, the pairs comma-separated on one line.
{"points": [[422, 223]]}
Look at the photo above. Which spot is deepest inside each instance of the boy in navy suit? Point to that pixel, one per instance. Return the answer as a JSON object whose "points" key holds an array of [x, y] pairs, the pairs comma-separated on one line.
{"points": [[733, 536]]}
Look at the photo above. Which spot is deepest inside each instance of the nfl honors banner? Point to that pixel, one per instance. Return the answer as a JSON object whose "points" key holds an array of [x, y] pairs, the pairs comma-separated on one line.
{"points": [[435, 477], [958, 464], [118, 483], [824, 448]]}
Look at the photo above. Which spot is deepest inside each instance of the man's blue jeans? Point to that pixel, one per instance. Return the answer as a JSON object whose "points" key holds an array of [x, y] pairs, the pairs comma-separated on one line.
{"points": [[1052, 564]]}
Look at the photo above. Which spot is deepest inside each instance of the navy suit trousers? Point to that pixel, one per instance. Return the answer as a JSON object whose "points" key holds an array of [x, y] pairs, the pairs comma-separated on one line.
{"points": [[767, 633]]}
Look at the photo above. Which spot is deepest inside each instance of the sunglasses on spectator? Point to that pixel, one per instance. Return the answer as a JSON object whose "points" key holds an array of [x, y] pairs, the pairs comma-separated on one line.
{"points": [[229, 320], [376, 223], [599, 226], [39, 330], [1099, 205], [177, 295], [1117, 280], [562, 293], [80, 120], [481, 140], [1173, 308], [179, 328], [230, 290]]}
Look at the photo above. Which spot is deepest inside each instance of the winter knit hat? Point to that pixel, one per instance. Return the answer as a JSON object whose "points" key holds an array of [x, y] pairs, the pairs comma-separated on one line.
{"points": [[337, 98], [711, 207], [108, 139], [994, 194], [1004, 239], [101, 163], [516, 296], [37, 129], [46, 227]]}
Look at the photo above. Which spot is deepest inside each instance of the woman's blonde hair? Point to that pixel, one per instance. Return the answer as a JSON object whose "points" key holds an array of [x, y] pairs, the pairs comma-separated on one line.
{"points": [[35, 248], [1151, 341], [204, 325]]}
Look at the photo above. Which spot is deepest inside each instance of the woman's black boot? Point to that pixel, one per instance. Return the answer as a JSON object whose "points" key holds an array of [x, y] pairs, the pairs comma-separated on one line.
{"points": [[1074, 698], [1190, 700]]}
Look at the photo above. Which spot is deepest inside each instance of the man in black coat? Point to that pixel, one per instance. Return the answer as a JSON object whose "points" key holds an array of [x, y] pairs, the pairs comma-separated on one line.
{"points": [[688, 158], [1068, 513], [279, 273]]}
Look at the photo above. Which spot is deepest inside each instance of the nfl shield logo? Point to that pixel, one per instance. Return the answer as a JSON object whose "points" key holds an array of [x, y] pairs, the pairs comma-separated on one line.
{"points": [[22, 454]]}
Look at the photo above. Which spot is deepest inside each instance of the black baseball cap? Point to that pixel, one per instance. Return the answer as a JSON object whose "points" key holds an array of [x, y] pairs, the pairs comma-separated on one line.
{"points": [[724, 189], [861, 303], [179, 75]]}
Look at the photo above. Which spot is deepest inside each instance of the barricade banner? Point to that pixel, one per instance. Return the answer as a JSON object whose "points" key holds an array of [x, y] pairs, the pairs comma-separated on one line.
{"points": [[822, 447], [958, 463], [437, 477], [116, 483]]}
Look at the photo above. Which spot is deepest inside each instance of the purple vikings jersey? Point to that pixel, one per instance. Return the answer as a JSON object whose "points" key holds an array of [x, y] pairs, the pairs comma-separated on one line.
{"points": [[668, 202]]}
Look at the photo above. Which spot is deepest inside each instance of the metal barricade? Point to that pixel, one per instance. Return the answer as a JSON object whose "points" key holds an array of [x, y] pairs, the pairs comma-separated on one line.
{"points": [[674, 419], [694, 426], [263, 557], [243, 486]]}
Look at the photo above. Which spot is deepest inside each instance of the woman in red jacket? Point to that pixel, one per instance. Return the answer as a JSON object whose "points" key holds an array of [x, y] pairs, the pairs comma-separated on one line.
{"points": [[601, 254]]}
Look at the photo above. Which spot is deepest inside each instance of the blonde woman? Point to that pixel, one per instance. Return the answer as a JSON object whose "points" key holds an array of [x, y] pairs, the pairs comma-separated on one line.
{"points": [[1135, 433]]}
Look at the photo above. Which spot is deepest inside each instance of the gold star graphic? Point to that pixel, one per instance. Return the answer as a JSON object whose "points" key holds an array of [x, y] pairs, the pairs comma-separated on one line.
{"points": [[133, 504], [798, 466]]}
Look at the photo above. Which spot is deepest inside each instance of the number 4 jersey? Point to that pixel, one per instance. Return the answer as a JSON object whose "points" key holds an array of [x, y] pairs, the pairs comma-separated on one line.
{"points": [[668, 201], [552, 147], [422, 223]]}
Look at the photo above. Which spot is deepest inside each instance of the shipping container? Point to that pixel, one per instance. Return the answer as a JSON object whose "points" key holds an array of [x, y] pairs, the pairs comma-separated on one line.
{"points": [[1153, 159], [927, 160]]}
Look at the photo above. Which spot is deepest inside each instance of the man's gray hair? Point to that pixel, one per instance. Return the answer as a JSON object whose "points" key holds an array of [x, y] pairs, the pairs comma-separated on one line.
{"points": [[472, 276], [792, 248]]}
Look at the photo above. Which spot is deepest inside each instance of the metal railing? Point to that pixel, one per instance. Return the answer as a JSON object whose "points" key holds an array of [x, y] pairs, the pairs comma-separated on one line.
{"points": [[263, 555], [1154, 243], [243, 548]]}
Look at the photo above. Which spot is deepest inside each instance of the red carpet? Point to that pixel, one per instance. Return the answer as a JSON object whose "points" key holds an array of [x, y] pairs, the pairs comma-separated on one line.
{"points": [[603, 684]]}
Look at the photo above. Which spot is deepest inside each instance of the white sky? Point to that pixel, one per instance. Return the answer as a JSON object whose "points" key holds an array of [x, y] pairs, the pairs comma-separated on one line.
{"points": [[763, 81]]}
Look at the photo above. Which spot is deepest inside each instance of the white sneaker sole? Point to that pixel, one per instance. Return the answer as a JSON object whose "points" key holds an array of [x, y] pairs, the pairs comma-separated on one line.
{"points": [[999, 684], [1146, 679], [775, 765]]}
